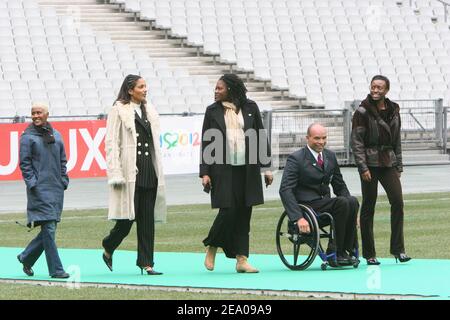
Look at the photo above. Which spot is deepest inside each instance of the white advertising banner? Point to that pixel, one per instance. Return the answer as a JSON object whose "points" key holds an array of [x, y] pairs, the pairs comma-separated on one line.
{"points": [[85, 149], [180, 143]]}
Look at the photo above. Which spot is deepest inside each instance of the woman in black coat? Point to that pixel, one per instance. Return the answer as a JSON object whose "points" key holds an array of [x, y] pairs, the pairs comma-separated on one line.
{"points": [[234, 149]]}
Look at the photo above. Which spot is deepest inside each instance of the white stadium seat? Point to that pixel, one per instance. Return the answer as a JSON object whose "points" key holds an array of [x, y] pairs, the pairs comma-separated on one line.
{"points": [[318, 42]]}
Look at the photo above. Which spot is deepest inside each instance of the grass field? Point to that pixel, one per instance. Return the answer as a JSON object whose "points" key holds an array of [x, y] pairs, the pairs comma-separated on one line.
{"points": [[427, 221]]}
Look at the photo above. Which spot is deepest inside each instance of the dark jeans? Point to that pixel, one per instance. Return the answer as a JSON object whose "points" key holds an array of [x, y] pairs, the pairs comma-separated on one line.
{"points": [[390, 181], [345, 212], [44, 241], [144, 207]]}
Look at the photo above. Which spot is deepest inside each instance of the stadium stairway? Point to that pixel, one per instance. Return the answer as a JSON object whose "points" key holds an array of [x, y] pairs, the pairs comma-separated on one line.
{"points": [[122, 27]]}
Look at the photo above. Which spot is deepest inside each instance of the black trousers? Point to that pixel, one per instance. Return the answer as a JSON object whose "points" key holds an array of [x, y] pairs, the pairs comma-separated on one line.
{"points": [[390, 181], [231, 228], [345, 213], [144, 207]]}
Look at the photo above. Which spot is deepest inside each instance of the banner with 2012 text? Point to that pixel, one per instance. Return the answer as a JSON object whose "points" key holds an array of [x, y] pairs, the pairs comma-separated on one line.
{"points": [[85, 146]]}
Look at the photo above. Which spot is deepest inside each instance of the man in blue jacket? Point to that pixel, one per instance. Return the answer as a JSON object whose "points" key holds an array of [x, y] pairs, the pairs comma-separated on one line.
{"points": [[306, 179], [43, 166]]}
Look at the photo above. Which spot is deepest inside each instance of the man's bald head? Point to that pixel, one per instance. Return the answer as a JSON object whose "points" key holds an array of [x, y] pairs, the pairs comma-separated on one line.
{"points": [[315, 128], [316, 137]]}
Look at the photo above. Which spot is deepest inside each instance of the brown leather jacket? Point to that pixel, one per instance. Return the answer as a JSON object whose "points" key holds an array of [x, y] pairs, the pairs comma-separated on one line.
{"points": [[375, 138]]}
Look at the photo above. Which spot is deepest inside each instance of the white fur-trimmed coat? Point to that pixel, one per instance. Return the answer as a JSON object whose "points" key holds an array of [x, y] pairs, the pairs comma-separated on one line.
{"points": [[120, 145]]}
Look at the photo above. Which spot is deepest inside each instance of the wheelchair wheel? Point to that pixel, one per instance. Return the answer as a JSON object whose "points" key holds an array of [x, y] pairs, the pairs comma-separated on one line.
{"points": [[296, 250]]}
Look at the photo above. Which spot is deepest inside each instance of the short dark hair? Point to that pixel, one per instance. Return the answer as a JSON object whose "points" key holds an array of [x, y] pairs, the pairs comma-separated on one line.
{"points": [[383, 78], [237, 91], [128, 84]]}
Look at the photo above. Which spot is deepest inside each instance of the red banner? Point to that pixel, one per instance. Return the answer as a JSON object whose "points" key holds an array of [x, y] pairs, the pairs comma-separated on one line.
{"points": [[84, 142]]}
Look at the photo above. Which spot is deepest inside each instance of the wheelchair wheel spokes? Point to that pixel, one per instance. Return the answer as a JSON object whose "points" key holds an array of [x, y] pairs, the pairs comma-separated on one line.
{"points": [[296, 251]]}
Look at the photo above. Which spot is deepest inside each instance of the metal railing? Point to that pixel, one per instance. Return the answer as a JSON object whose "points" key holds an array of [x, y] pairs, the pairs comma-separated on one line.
{"points": [[424, 126], [422, 120], [446, 6], [288, 131], [22, 119]]}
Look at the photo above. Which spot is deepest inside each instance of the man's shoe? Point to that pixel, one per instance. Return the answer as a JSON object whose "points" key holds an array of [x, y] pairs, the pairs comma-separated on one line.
{"points": [[63, 275], [26, 269], [354, 260], [332, 263], [344, 260]]}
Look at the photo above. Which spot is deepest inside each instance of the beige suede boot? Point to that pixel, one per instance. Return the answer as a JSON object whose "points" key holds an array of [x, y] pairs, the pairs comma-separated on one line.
{"points": [[210, 258], [242, 266]]}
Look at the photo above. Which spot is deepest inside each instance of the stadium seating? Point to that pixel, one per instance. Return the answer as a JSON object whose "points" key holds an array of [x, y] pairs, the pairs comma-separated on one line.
{"points": [[290, 42], [324, 51], [74, 69]]}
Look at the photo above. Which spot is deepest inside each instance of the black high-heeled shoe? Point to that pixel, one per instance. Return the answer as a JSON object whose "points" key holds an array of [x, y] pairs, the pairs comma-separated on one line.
{"points": [[108, 261], [150, 271], [402, 257], [373, 262]]}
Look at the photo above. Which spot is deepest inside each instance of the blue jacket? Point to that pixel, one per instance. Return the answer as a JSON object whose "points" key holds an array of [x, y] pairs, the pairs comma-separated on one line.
{"points": [[44, 171]]}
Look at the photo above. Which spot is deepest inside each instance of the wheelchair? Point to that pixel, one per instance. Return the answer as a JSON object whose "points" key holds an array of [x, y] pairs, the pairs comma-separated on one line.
{"points": [[298, 250]]}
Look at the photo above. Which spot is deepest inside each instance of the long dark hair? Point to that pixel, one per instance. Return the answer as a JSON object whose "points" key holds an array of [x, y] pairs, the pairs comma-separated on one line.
{"points": [[236, 89], [128, 84]]}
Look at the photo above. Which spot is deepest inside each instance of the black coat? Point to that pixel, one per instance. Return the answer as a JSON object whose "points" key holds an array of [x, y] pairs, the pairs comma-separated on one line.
{"points": [[146, 175], [219, 171], [305, 181]]}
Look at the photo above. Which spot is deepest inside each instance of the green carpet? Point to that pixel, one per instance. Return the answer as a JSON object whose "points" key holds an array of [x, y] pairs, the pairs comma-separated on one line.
{"points": [[421, 277]]}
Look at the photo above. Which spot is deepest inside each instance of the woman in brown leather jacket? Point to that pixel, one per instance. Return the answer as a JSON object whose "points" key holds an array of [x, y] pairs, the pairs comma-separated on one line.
{"points": [[376, 145]]}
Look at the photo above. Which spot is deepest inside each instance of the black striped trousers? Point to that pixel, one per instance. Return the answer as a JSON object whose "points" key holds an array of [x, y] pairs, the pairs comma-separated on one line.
{"points": [[144, 207]]}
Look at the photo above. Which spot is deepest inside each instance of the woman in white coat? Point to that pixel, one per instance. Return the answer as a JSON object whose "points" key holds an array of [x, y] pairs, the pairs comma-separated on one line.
{"points": [[134, 169]]}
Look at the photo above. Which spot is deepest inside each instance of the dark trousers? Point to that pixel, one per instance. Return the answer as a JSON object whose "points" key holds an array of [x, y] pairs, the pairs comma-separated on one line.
{"points": [[231, 228], [144, 207], [44, 241], [390, 181], [345, 213]]}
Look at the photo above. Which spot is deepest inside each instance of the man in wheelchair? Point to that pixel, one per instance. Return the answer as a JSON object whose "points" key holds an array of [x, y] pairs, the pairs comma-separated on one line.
{"points": [[306, 179]]}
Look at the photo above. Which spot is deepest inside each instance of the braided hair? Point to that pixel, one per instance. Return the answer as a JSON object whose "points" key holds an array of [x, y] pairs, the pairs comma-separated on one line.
{"points": [[236, 89]]}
